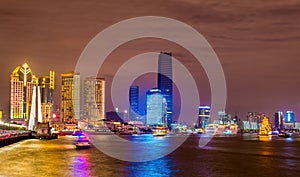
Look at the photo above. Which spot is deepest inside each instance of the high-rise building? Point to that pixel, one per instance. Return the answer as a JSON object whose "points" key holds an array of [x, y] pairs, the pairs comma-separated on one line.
{"points": [[289, 117], [156, 107], [70, 96], [94, 97], [164, 81], [21, 86], [203, 117], [279, 120], [134, 102], [1, 114], [46, 84]]}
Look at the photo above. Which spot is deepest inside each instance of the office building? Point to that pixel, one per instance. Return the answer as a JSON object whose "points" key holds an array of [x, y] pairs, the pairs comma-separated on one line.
{"points": [[164, 81], [204, 116], [134, 102], [1, 114], [46, 84], [70, 97], [22, 81], [279, 120], [156, 108], [94, 97], [289, 117]]}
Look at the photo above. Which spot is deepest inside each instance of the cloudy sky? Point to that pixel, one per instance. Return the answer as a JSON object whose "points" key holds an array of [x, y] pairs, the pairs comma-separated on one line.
{"points": [[257, 43]]}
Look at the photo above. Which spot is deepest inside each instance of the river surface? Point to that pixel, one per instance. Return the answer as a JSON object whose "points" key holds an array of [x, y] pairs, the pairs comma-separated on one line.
{"points": [[240, 155]]}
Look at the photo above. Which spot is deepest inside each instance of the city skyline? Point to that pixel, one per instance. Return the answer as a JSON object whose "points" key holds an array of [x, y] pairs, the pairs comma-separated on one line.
{"points": [[257, 45]]}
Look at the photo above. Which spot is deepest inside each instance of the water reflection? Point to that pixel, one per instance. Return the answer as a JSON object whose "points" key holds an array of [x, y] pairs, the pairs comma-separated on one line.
{"points": [[136, 148], [160, 168], [81, 166]]}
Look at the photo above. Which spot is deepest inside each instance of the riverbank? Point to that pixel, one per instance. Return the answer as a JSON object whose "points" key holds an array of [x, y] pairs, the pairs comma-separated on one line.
{"points": [[10, 137]]}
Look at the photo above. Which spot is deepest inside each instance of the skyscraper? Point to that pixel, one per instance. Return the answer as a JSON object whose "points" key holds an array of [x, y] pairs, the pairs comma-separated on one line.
{"points": [[70, 96], [164, 81], [289, 117], [94, 97], [134, 102], [21, 86], [46, 84], [203, 117], [279, 120], [156, 107]]}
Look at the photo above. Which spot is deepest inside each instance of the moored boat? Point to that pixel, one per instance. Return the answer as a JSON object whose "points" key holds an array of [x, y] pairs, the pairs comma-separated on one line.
{"points": [[160, 130], [285, 134]]}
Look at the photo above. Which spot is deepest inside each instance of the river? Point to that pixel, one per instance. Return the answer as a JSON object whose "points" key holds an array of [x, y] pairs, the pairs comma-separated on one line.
{"points": [[240, 155]]}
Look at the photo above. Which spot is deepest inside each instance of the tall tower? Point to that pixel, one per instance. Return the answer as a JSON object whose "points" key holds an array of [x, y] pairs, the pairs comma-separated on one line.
{"points": [[134, 102], [70, 96], [94, 99], [21, 86], [156, 107], [46, 84], [203, 117], [164, 81]]}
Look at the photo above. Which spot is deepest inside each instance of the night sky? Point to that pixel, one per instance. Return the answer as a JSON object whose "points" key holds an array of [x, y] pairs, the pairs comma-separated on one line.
{"points": [[257, 42]]}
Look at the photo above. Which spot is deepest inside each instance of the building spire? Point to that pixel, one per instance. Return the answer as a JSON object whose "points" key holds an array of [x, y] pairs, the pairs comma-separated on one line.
{"points": [[25, 73]]}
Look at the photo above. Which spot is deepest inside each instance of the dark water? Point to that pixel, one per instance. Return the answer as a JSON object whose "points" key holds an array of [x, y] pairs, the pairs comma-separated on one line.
{"points": [[242, 155]]}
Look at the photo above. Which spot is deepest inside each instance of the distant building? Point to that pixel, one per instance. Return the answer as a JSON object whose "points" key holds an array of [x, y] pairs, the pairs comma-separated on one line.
{"points": [[1, 114], [289, 117], [156, 107], [134, 102], [46, 84], [222, 117], [203, 116], [21, 86], [279, 120], [94, 99], [113, 116], [70, 96], [165, 83]]}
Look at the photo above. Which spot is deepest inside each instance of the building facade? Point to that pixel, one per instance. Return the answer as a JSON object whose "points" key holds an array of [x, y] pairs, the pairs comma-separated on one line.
{"points": [[21, 86], [279, 120], [156, 108], [134, 102], [165, 83], [94, 99], [204, 116], [70, 96], [46, 84]]}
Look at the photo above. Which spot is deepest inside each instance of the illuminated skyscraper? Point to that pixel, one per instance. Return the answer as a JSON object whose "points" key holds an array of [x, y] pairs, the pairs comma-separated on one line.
{"points": [[70, 96], [1, 114], [134, 102], [164, 81], [203, 117], [21, 86], [279, 120], [94, 99], [156, 107], [289, 117], [46, 84]]}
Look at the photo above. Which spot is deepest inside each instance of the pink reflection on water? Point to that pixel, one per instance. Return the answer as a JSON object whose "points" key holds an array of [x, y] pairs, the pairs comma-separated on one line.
{"points": [[81, 166]]}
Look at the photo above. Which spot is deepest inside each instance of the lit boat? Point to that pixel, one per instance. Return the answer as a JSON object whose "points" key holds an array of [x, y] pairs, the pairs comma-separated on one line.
{"points": [[285, 134], [211, 128], [227, 132], [160, 130], [82, 142]]}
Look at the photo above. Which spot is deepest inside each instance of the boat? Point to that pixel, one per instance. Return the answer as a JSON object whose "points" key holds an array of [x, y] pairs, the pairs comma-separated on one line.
{"points": [[160, 130], [285, 134], [82, 142], [211, 128]]}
